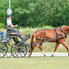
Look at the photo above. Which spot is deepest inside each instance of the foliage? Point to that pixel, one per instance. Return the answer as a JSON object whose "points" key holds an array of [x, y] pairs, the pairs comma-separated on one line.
{"points": [[36, 13], [1, 25]]}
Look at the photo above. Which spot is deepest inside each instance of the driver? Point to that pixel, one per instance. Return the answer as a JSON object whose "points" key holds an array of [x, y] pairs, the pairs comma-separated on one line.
{"points": [[12, 30]]}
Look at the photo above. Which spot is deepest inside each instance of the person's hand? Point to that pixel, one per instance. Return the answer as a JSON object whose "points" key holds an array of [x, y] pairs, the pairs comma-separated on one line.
{"points": [[16, 25]]}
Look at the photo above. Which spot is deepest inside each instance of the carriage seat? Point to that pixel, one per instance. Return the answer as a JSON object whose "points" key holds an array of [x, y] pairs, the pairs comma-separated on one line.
{"points": [[13, 34]]}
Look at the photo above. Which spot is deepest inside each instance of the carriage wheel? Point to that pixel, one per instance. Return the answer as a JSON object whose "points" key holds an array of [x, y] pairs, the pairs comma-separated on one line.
{"points": [[13, 50], [28, 50], [3, 49], [9, 45], [19, 50]]}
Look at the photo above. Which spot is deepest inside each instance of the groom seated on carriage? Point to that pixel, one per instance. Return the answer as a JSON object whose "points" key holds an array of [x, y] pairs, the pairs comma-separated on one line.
{"points": [[12, 31], [2, 35]]}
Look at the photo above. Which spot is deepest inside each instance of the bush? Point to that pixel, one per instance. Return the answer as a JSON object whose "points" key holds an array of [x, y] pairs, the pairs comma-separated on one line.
{"points": [[2, 25], [46, 26]]}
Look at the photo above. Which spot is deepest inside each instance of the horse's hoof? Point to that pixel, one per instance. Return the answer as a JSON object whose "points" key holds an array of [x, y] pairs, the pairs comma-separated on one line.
{"points": [[68, 54], [52, 55], [30, 56], [44, 55]]}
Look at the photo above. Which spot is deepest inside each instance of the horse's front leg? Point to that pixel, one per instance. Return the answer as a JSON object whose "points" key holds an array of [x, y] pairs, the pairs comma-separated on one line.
{"points": [[57, 44], [63, 43]]}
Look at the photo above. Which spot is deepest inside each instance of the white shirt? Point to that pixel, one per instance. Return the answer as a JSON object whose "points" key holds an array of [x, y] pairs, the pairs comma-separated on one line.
{"points": [[9, 21]]}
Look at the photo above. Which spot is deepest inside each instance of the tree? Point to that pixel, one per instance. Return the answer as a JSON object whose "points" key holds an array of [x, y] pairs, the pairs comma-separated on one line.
{"points": [[36, 13]]}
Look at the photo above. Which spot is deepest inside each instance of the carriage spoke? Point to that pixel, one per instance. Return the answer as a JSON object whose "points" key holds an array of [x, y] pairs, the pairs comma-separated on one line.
{"points": [[19, 50], [28, 50], [3, 50]]}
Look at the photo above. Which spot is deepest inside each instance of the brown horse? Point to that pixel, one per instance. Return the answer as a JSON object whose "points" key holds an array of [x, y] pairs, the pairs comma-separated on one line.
{"points": [[57, 35]]}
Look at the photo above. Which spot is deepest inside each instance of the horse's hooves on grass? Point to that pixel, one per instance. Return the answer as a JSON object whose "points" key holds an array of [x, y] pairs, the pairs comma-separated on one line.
{"points": [[52, 55]]}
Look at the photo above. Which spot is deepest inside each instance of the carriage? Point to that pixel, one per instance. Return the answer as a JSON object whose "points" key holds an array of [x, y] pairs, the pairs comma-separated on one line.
{"points": [[19, 49]]}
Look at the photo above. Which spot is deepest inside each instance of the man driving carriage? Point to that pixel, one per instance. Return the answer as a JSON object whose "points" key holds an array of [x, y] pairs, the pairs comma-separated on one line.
{"points": [[12, 30]]}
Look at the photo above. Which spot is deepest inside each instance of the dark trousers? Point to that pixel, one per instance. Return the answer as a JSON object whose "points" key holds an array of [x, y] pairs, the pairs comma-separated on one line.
{"points": [[12, 30]]}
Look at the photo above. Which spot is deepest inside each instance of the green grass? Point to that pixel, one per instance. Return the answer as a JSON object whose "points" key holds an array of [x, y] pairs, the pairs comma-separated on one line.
{"points": [[35, 63]]}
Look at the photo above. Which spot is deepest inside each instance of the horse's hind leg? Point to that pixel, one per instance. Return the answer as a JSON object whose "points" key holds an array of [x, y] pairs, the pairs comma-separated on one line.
{"points": [[40, 47], [55, 49], [32, 48]]}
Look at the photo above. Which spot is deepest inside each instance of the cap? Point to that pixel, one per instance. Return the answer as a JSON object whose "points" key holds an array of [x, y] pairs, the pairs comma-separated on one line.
{"points": [[9, 16]]}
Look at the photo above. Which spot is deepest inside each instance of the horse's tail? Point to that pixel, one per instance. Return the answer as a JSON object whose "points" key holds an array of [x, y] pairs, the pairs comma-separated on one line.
{"points": [[32, 39]]}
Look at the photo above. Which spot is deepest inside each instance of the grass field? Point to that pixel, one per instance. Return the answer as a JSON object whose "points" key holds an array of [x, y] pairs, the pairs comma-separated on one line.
{"points": [[35, 63]]}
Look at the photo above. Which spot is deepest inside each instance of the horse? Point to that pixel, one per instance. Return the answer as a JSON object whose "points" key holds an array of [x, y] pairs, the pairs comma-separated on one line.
{"points": [[57, 35]]}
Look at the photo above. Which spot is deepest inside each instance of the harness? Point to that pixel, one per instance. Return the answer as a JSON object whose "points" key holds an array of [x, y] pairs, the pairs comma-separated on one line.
{"points": [[60, 34], [44, 32]]}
